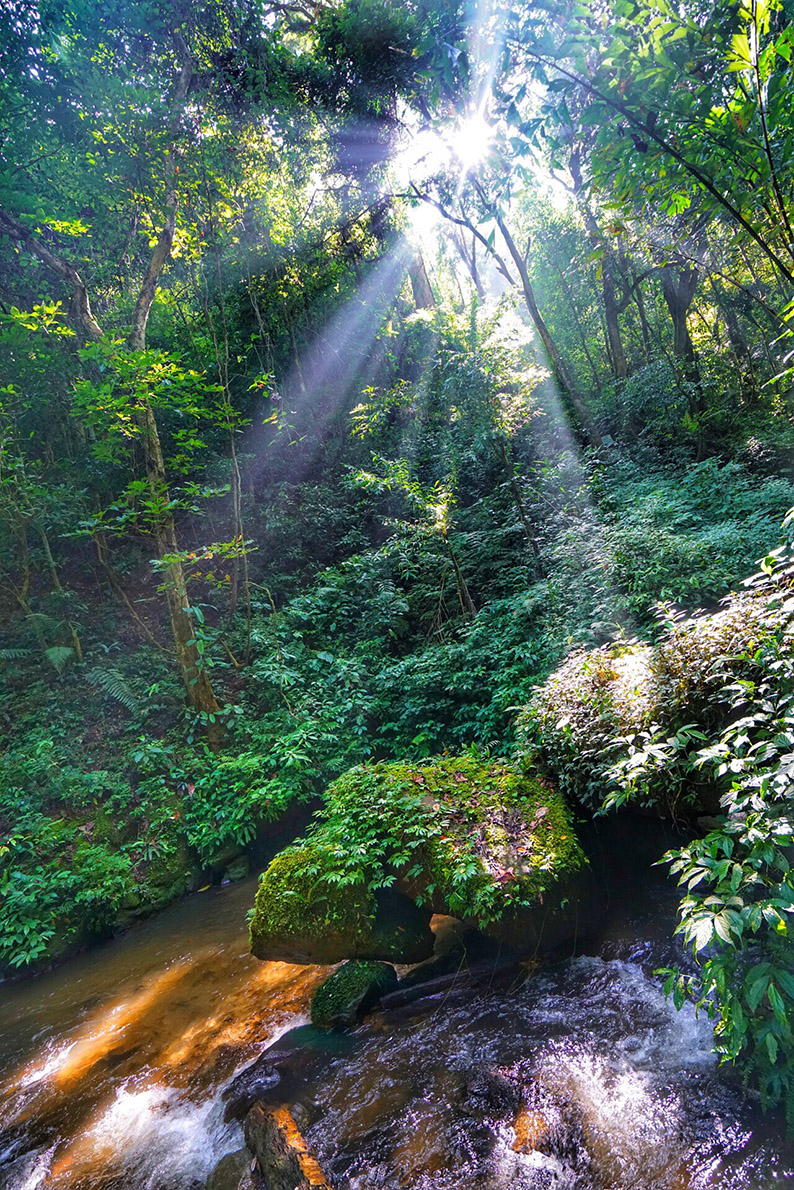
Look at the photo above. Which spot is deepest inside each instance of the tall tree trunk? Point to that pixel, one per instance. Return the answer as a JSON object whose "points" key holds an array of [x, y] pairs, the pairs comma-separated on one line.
{"points": [[198, 688], [559, 366], [739, 345], [678, 288], [469, 258], [644, 328], [611, 309], [424, 298], [582, 335]]}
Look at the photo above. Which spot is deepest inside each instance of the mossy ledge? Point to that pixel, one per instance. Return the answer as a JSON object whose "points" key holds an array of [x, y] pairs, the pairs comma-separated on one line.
{"points": [[485, 841]]}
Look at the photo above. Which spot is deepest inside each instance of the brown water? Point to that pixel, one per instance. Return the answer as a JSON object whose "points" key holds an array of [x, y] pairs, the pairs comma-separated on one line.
{"points": [[581, 1077], [111, 1065]]}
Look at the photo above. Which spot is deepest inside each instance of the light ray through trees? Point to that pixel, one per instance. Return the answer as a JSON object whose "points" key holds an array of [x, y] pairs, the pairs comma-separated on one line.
{"points": [[329, 373]]}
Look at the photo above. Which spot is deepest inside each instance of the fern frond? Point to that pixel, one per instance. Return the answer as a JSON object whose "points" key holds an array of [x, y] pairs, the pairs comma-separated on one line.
{"points": [[44, 622], [14, 654], [112, 683], [58, 655]]}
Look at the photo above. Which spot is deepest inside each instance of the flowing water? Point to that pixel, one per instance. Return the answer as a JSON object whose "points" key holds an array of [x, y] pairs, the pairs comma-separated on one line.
{"points": [[578, 1076]]}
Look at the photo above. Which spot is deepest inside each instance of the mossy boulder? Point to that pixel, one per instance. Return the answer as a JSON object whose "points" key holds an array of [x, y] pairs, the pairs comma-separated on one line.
{"points": [[460, 836], [580, 721], [167, 877], [348, 994], [230, 1170], [302, 914]]}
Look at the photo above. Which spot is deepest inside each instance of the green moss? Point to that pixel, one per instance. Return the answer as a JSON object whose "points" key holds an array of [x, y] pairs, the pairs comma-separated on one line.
{"points": [[456, 835], [309, 910], [350, 991], [473, 837], [295, 900]]}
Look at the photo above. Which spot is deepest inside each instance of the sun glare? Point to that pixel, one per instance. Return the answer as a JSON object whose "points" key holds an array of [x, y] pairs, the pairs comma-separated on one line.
{"points": [[458, 148], [471, 140]]}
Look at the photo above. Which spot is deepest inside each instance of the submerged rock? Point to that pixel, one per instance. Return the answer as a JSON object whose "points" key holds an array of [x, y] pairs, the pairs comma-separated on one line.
{"points": [[485, 842], [347, 995]]}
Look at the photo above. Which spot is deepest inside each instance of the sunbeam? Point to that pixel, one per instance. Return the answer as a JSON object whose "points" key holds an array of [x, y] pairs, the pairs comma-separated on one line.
{"points": [[330, 371]]}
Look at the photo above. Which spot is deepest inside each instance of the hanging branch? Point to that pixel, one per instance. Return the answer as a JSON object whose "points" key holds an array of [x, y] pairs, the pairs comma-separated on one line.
{"points": [[650, 132]]}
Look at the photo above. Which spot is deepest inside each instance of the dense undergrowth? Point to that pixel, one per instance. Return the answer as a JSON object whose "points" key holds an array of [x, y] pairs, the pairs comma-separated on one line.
{"points": [[111, 810]]}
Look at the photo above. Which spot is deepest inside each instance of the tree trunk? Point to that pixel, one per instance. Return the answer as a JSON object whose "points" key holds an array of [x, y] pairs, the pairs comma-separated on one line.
{"points": [[470, 261], [678, 288], [644, 328], [560, 368], [611, 310], [198, 687], [199, 691], [518, 497], [424, 298], [582, 335]]}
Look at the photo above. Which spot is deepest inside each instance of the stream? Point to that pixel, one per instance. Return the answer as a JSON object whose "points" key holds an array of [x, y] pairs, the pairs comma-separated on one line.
{"points": [[579, 1075]]}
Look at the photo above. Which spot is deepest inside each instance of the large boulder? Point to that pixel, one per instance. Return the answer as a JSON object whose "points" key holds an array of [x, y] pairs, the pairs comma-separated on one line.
{"points": [[489, 843], [347, 995], [302, 916]]}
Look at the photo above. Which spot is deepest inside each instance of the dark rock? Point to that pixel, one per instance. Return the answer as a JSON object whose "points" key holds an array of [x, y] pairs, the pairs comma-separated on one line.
{"points": [[257, 1081], [349, 993], [230, 1169], [223, 858], [456, 947], [237, 870], [572, 912], [493, 972], [284, 1071]]}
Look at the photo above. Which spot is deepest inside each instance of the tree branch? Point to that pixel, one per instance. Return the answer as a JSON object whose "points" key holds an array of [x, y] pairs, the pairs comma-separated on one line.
{"points": [[81, 315]]}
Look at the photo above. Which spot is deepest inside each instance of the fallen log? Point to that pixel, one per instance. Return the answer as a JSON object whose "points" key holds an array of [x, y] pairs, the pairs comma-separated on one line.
{"points": [[468, 977]]}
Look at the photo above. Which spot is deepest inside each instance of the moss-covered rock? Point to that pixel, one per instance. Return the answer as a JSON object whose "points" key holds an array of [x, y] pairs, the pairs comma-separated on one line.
{"points": [[579, 722], [465, 837], [302, 914], [230, 1170], [347, 995], [455, 836]]}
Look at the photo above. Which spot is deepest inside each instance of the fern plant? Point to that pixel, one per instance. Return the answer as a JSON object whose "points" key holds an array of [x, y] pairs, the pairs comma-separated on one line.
{"points": [[114, 684]]}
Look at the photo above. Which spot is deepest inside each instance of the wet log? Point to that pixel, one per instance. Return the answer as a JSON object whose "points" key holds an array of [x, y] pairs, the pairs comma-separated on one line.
{"points": [[282, 1156], [470, 977]]}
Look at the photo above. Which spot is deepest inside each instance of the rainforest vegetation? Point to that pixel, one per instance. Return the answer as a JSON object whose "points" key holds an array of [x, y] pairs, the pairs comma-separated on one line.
{"points": [[384, 383]]}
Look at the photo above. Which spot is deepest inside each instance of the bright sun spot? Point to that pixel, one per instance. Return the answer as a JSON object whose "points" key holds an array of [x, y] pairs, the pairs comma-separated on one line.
{"points": [[471, 140], [459, 147]]}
